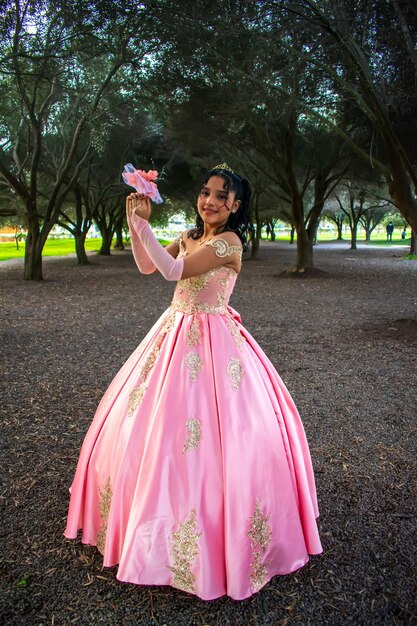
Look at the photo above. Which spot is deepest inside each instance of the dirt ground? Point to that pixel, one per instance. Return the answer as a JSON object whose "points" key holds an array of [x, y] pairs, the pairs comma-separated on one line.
{"points": [[345, 343]]}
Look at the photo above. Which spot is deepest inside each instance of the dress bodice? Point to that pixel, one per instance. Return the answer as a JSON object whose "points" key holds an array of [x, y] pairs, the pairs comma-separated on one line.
{"points": [[205, 293]]}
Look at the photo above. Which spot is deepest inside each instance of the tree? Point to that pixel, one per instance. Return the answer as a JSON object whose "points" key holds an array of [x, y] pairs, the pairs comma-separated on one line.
{"points": [[366, 52], [58, 60], [371, 219], [337, 216], [77, 220]]}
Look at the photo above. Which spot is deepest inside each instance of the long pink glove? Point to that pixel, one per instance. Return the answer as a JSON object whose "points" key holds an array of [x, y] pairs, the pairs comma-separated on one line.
{"points": [[144, 263], [170, 268]]}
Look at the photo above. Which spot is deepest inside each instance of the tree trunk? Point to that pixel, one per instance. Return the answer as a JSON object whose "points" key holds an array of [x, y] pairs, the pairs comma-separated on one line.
{"points": [[339, 231], [33, 257], [292, 233], [256, 234], [312, 231], [80, 248], [354, 232], [255, 246], [367, 233], [119, 238], [304, 259], [400, 188], [105, 248], [413, 243], [320, 188]]}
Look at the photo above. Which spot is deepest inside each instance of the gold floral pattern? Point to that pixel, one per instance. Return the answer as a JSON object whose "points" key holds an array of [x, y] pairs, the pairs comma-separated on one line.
{"points": [[150, 361], [197, 306], [167, 325], [223, 249], [193, 285], [235, 371], [184, 551], [194, 364], [223, 293], [181, 244], [136, 397], [104, 503], [193, 336], [236, 334], [194, 434], [260, 534], [187, 293]]}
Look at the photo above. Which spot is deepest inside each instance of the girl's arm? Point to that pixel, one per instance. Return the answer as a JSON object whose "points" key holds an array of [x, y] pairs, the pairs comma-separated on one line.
{"points": [[219, 251], [142, 258]]}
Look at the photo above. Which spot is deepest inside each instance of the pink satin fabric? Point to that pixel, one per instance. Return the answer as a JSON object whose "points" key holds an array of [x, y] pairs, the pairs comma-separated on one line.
{"points": [[196, 471]]}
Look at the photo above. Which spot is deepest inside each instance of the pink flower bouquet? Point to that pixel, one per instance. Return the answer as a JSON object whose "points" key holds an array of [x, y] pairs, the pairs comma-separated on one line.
{"points": [[142, 181]]}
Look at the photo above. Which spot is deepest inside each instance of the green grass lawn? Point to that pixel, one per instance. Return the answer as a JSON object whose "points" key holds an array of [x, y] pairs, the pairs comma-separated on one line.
{"points": [[53, 247], [376, 239], [62, 247]]}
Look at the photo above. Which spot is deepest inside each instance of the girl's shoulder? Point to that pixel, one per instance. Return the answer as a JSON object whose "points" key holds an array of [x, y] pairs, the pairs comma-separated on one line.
{"points": [[226, 244], [230, 237]]}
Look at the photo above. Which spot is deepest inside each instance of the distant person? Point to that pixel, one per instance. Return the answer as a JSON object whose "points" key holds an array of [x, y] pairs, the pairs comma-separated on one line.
{"points": [[268, 231], [390, 230], [404, 233]]}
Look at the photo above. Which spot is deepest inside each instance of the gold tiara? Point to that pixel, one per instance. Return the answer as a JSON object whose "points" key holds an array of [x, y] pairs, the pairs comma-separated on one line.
{"points": [[224, 167]]}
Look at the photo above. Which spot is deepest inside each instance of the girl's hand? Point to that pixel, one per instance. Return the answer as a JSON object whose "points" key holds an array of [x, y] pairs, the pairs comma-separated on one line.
{"points": [[138, 204]]}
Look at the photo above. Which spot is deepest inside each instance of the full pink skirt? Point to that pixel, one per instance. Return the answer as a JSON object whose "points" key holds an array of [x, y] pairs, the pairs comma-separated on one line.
{"points": [[200, 479]]}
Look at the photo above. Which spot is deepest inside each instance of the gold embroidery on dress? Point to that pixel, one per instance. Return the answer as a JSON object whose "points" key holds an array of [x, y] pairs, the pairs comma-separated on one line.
{"points": [[260, 534], [194, 284], [167, 324], [194, 434], [187, 291], [222, 293], [235, 371], [224, 282], [223, 249], [184, 551], [182, 251], [136, 397], [236, 334], [150, 361], [193, 335], [104, 503], [196, 307], [194, 364]]}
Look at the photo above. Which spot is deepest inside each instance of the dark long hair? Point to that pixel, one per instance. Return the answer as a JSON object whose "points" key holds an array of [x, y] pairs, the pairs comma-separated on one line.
{"points": [[238, 222]]}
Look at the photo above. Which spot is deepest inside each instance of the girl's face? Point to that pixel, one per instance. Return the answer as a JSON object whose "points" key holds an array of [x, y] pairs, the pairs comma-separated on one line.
{"points": [[214, 204]]}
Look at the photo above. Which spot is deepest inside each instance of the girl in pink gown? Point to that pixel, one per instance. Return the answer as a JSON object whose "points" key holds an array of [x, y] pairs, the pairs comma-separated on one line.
{"points": [[196, 472]]}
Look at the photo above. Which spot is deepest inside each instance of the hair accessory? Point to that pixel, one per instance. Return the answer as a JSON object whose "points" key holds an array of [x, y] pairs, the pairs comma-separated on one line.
{"points": [[224, 167], [142, 181]]}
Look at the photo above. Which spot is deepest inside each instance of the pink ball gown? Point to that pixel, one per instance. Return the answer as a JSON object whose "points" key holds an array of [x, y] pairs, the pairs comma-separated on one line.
{"points": [[196, 472]]}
